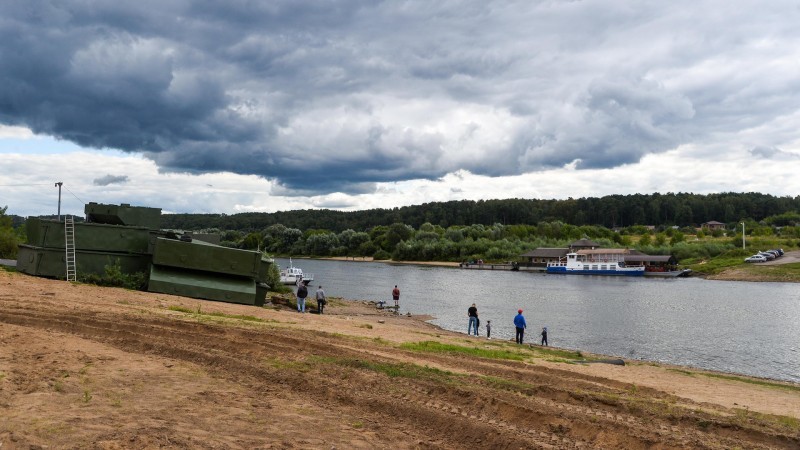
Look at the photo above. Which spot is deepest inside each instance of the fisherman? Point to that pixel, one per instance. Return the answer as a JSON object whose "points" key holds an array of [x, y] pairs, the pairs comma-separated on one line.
{"points": [[396, 297], [519, 323], [544, 336], [472, 313]]}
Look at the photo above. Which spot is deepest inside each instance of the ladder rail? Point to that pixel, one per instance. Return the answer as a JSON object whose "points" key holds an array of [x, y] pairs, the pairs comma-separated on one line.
{"points": [[69, 249]]}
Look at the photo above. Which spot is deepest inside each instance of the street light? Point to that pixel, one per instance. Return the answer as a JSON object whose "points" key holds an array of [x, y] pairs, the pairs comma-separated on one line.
{"points": [[743, 247], [58, 184]]}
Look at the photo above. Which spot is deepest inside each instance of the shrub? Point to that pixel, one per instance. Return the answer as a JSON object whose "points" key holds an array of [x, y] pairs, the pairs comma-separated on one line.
{"points": [[114, 277], [382, 255]]}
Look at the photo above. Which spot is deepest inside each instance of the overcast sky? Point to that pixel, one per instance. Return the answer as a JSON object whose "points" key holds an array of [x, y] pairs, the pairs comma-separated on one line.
{"points": [[237, 106]]}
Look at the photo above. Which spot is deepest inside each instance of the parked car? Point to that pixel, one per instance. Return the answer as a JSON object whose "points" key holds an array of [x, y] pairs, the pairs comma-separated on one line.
{"points": [[755, 259], [776, 253], [767, 255]]}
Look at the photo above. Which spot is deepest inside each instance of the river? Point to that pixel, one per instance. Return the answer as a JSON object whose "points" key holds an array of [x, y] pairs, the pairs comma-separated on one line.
{"points": [[740, 327]]}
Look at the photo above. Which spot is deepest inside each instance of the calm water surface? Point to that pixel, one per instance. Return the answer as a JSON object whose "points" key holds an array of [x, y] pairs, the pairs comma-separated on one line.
{"points": [[748, 328]]}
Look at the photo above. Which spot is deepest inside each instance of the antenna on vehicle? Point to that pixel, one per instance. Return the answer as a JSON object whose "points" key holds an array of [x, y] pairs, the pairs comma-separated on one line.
{"points": [[59, 184]]}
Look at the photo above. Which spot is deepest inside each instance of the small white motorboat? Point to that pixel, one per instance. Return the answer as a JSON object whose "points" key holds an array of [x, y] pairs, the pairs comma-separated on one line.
{"points": [[294, 275]]}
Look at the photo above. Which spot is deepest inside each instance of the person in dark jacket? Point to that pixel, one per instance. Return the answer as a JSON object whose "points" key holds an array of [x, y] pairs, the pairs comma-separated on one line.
{"points": [[302, 293], [472, 313], [396, 298], [544, 336], [519, 324]]}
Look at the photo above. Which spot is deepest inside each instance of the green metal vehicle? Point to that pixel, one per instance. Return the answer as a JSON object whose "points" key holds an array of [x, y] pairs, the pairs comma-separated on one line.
{"points": [[129, 237]]}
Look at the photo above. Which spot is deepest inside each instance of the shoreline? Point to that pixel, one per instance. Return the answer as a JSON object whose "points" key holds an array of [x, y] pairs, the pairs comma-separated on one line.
{"points": [[731, 274], [425, 318]]}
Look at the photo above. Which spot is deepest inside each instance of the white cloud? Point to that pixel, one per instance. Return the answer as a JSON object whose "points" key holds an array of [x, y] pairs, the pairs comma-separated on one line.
{"points": [[7, 132]]}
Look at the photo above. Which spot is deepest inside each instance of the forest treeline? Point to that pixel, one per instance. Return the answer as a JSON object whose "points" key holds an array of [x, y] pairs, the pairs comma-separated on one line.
{"points": [[499, 230], [612, 211]]}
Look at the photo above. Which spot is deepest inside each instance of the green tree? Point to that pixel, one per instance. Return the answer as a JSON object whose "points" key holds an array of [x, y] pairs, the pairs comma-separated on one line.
{"points": [[251, 242], [677, 237], [397, 232], [8, 238]]}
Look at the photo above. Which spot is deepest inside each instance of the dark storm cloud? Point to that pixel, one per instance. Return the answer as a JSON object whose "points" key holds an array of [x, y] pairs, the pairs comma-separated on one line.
{"points": [[110, 179], [337, 96]]}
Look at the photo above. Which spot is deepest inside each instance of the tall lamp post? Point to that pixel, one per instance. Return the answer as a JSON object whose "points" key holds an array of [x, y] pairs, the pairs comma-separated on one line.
{"points": [[58, 184], [743, 247]]}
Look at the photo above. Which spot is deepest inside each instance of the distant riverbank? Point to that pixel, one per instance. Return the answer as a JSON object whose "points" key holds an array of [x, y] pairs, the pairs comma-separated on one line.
{"points": [[784, 270]]}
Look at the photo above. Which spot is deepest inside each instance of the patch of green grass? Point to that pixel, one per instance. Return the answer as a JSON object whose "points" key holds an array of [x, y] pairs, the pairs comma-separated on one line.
{"points": [[746, 415], [58, 386], [298, 366], [86, 396], [561, 360], [2, 376], [558, 353], [396, 370], [507, 384], [682, 372], [438, 347], [198, 313], [8, 268], [235, 316], [758, 382], [781, 272], [788, 421], [358, 424]]}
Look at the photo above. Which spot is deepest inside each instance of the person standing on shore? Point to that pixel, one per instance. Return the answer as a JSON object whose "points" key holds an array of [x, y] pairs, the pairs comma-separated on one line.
{"points": [[519, 323], [396, 297], [472, 313], [321, 300], [488, 329], [544, 336], [302, 293]]}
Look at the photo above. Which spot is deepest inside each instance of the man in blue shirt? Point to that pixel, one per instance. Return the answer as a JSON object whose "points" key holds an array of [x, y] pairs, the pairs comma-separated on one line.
{"points": [[519, 323]]}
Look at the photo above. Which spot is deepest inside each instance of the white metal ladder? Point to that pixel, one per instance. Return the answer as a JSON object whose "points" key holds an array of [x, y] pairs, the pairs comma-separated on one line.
{"points": [[69, 248]]}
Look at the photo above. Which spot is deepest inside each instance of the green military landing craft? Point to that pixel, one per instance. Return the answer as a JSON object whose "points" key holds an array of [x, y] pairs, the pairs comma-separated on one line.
{"points": [[129, 236]]}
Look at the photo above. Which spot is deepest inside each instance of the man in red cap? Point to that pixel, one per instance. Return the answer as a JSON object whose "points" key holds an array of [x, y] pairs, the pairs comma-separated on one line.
{"points": [[519, 323]]}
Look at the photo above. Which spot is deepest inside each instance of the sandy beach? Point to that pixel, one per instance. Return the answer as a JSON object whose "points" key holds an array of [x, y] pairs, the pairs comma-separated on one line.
{"points": [[89, 367]]}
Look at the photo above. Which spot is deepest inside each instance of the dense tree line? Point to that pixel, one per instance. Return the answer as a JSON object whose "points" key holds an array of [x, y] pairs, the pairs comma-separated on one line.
{"points": [[496, 242], [612, 211]]}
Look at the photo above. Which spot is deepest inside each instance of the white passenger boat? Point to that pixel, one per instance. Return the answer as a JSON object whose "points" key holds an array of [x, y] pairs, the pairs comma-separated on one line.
{"points": [[595, 262], [293, 275]]}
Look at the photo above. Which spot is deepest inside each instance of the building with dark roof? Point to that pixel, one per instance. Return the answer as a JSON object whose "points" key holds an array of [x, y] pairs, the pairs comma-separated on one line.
{"points": [[539, 257], [713, 225], [584, 243]]}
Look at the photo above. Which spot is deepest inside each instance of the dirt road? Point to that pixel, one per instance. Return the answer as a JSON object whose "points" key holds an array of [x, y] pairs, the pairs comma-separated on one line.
{"points": [[90, 367]]}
